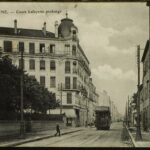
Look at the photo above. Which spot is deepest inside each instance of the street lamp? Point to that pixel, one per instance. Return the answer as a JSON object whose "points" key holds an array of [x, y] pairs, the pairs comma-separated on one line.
{"points": [[22, 129]]}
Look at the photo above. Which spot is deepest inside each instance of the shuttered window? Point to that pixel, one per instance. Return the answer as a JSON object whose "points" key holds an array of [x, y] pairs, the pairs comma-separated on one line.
{"points": [[7, 46], [42, 65]]}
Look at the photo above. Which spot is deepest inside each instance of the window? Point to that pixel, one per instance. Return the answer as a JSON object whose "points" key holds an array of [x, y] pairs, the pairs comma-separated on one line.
{"points": [[69, 98], [42, 48], [74, 83], [52, 65], [74, 50], [20, 64], [52, 49], [31, 48], [42, 65], [67, 82], [74, 67], [52, 82], [21, 46], [74, 32], [67, 49], [67, 67], [7, 46], [32, 64], [147, 86], [42, 80]]}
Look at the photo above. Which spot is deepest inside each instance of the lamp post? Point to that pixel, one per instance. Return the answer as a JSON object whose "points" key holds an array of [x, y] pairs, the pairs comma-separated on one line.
{"points": [[61, 98], [21, 95]]}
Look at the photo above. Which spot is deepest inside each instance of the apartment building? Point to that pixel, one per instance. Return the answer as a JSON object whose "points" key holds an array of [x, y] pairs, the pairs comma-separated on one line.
{"points": [[58, 62]]}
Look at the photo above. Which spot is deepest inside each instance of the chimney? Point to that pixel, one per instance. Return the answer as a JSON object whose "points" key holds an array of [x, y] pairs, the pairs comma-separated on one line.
{"points": [[56, 29], [15, 26], [44, 29]]}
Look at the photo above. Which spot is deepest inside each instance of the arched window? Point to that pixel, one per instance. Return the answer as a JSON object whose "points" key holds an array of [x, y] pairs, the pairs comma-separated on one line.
{"points": [[67, 67], [74, 32], [52, 65]]}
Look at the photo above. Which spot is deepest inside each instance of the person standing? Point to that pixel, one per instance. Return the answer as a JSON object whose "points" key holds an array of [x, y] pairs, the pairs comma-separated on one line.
{"points": [[57, 130]]}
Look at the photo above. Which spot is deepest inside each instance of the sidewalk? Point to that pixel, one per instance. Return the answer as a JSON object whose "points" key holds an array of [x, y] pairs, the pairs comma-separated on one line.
{"points": [[145, 139], [30, 137]]}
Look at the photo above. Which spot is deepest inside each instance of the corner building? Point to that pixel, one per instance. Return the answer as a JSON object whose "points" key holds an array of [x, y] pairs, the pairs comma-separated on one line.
{"points": [[58, 62]]}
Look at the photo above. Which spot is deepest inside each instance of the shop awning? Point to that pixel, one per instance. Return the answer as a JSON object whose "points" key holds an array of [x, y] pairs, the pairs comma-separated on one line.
{"points": [[70, 113]]}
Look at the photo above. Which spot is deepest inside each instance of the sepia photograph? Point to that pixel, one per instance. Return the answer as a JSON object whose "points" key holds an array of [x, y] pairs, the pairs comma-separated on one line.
{"points": [[75, 74]]}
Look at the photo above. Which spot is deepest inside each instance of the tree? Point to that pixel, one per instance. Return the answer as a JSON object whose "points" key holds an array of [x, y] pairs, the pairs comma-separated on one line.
{"points": [[36, 97]]}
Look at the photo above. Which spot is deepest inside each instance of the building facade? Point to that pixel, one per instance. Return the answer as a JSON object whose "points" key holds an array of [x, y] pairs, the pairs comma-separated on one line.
{"points": [[144, 93], [58, 62]]}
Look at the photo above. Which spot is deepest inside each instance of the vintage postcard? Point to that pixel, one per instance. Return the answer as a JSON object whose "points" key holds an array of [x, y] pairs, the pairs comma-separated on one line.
{"points": [[74, 74]]}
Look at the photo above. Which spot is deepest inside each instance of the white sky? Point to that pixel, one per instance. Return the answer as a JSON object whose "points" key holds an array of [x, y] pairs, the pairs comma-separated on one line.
{"points": [[108, 33]]}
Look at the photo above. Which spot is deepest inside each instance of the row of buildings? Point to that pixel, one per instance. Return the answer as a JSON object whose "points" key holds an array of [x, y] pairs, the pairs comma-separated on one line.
{"points": [[144, 91], [59, 63]]}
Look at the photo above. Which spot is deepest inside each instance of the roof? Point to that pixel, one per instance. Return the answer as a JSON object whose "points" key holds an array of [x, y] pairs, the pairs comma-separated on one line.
{"points": [[65, 27], [25, 32], [145, 50], [83, 53]]}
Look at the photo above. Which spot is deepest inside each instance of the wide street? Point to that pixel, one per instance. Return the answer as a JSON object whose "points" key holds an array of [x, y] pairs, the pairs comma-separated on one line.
{"points": [[90, 137]]}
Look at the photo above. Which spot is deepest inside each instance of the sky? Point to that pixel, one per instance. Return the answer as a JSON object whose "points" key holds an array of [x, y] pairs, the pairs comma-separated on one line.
{"points": [[108, 32]]}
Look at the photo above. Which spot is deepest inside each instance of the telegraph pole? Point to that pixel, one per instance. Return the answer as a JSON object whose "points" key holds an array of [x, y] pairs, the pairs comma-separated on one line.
{"points": [[128, 111], [21, 94], [61, 98], [126, 114], [87, 109], [148, 4], [138, 130]]}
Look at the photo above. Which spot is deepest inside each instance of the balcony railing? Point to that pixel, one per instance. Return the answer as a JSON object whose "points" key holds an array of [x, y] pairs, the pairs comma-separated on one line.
{"points": [[71, 87]]}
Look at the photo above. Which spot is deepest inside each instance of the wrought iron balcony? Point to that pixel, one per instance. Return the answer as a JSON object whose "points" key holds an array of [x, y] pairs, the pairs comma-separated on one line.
{"points": [[69, 87]]}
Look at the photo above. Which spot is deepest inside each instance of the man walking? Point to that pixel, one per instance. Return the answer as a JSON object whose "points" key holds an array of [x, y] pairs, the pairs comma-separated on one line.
{"points": [[57, 130]]}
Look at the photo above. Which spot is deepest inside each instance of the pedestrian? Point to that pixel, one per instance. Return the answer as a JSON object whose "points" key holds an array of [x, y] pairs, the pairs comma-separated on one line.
{"points": [[57, 130]]}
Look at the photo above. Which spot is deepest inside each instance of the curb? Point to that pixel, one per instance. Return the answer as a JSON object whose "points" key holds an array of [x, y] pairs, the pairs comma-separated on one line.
{"points": [[132, 139], [36, 139]]}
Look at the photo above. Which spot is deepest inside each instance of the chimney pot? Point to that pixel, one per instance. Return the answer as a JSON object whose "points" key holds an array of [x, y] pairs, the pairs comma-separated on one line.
{"points": [[56, 29], [15, 26], [44, 29]]}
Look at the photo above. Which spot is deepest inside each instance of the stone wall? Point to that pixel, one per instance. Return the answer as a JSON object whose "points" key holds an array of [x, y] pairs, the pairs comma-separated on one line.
{"points": [[35, 126], [12, 128], [9, 128]]}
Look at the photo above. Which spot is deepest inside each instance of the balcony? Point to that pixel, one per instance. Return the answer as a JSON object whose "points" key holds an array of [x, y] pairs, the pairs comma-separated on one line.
{"points": [[71, 87]]}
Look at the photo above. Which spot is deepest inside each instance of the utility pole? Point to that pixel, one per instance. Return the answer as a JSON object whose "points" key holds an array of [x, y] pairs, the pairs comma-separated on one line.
{"points": [[61, 98], [128, 112], [138, 130], [148, 4], [21, 94], [87, 110]]}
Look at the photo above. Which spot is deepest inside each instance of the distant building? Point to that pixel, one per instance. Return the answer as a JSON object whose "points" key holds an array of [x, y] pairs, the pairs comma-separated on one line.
{"points": [[58, 62], [104, 100]]}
